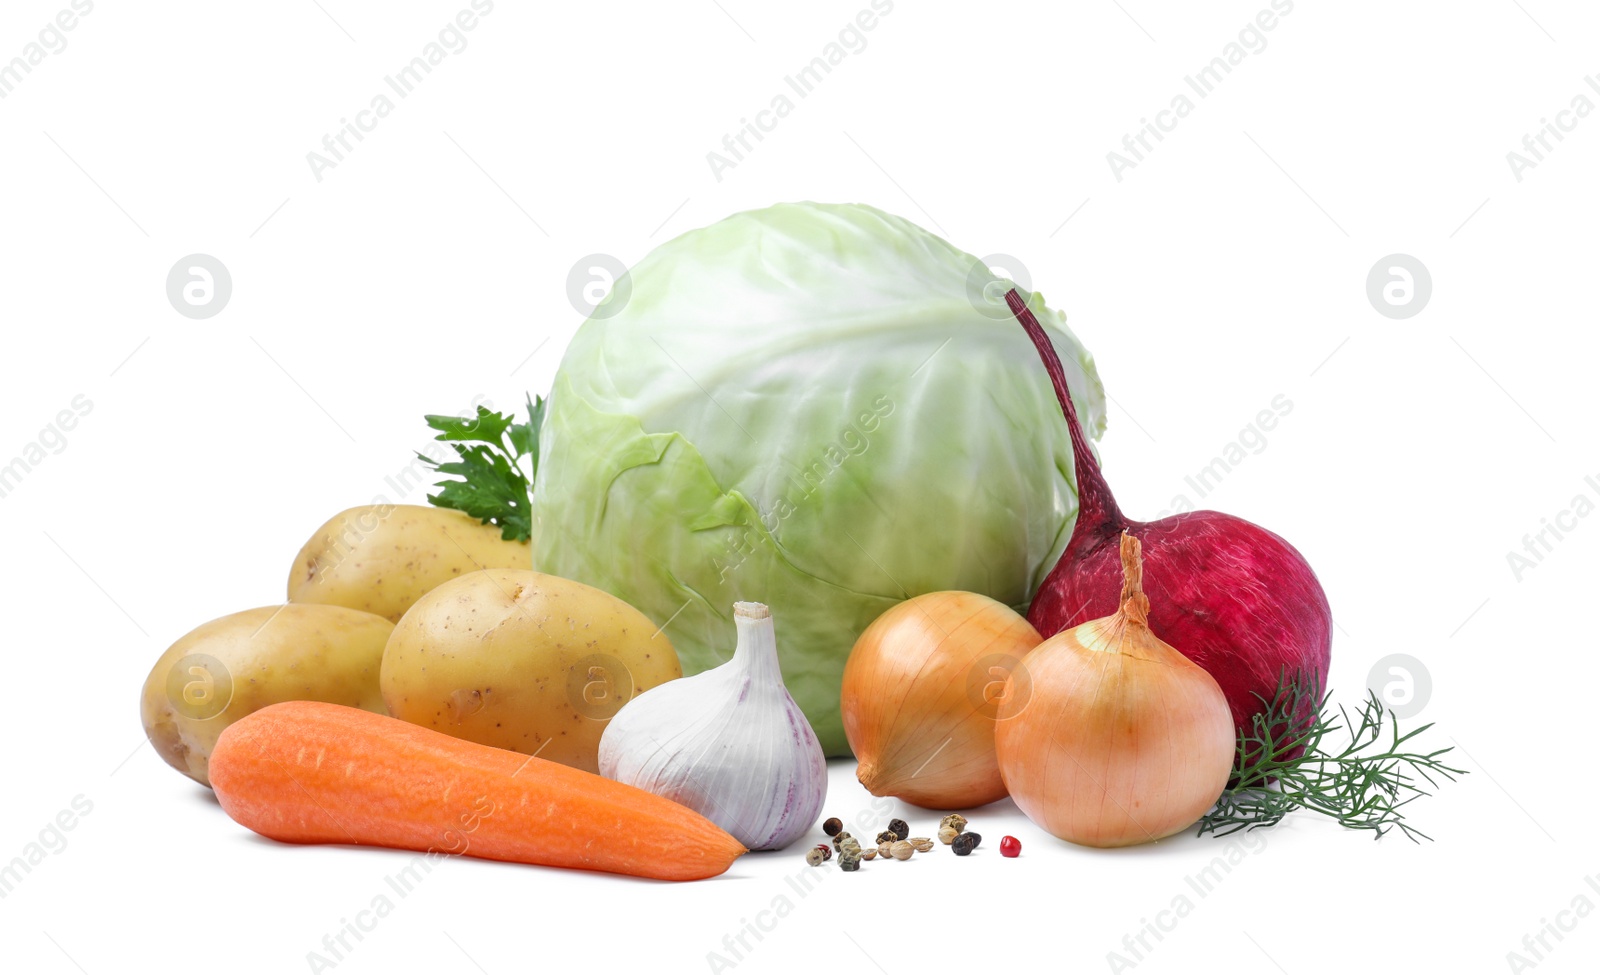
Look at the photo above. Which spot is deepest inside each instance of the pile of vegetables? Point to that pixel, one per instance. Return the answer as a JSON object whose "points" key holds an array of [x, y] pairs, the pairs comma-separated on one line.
{"points": [[815, 422], [824, 408], [1240, 600], [1105, 734]]}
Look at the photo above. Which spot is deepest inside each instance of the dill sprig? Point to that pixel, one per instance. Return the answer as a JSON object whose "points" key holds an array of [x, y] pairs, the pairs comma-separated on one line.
{"points": [[1290, 760]]}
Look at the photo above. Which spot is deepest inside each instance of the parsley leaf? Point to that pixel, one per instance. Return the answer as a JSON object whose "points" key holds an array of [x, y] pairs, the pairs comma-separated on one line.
{"points": [[492, 486]]}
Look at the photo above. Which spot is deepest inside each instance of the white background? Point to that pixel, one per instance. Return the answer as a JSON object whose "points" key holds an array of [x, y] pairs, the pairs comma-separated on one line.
{"points": [[425, 270]]}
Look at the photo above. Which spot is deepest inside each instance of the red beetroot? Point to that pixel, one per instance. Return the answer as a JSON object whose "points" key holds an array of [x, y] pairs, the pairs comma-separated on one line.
{"points": [[1231, 596]]}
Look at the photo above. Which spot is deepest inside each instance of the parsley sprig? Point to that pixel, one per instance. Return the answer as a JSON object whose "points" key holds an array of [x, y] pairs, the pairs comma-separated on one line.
{"points": [[493, 486]]}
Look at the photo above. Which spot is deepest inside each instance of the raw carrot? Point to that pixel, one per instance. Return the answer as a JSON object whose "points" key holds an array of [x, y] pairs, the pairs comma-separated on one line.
{"points": [[309, 772]]}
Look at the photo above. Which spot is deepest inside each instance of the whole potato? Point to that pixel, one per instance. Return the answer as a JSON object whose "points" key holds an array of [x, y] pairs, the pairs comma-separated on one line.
{"points": [[381, 558], [522, 660], [230, 667]]}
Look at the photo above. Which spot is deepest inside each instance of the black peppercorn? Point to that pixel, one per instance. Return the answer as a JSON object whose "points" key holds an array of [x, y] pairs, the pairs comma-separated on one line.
{"points": [[966, 843], [899, 828], [832, 826], [889, 836]]}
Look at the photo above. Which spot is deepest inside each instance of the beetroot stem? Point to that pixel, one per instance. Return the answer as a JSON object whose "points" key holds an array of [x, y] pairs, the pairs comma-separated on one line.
{"points": [[1097, 509]]}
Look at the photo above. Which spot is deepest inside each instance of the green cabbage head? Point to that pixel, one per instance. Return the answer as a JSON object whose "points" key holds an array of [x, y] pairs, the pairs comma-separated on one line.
{"points": [[824, 408]]}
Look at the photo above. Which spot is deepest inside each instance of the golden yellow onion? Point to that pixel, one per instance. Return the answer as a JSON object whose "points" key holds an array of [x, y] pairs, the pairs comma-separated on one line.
{"points": [[921, 693], [1108, 736]]}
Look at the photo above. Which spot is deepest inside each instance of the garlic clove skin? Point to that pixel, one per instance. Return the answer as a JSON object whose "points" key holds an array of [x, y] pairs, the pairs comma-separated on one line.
{"points": [[729, 743]]}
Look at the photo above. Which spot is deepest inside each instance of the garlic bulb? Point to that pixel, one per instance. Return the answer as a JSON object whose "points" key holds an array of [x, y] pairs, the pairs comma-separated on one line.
{"points": [[729, 743]]}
